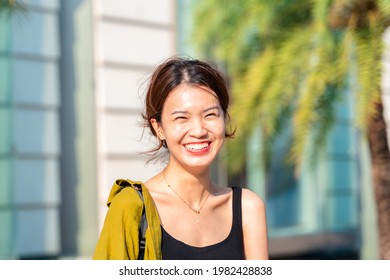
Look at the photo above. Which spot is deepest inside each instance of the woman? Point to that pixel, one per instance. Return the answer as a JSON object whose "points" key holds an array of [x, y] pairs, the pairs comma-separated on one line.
{"points": [[186, 109]]}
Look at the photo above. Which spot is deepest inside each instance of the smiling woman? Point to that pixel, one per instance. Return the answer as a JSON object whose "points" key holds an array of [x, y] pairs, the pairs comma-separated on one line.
{"points": [[188, 216]]}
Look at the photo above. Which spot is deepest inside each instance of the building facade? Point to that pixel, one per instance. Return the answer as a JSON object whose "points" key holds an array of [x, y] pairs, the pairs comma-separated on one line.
{"points": [[71, 80]]}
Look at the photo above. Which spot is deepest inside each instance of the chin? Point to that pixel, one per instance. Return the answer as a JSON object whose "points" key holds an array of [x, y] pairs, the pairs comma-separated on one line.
{"points": [[200, 163]]}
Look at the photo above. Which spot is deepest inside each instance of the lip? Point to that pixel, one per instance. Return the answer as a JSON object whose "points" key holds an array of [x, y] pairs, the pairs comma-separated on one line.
{"points": [[197, 150]]}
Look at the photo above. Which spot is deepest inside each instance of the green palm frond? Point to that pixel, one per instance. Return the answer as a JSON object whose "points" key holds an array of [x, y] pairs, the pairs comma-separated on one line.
{"points": [[246, 95], [289, 63], [292, 60], [384, 8]]}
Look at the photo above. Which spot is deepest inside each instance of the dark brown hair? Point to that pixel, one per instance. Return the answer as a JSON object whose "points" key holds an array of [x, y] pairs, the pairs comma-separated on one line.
{"points": [[174, 72]]}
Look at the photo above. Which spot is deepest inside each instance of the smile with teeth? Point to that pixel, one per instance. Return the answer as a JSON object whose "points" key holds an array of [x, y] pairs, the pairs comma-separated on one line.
{"points": [[196, 146]]}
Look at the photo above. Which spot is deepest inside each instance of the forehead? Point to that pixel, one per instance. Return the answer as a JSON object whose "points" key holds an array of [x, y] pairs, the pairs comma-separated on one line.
{"points": [[190, 96]]}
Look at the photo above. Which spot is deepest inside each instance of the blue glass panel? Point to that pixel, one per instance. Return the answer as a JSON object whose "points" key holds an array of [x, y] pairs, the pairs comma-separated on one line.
{"points": [[340, 174], [341, 211], [282, 188], [282, 207]]}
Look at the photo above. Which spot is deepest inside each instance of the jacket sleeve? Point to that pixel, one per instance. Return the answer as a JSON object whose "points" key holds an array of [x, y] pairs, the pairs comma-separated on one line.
{"points": [[119, 238]]}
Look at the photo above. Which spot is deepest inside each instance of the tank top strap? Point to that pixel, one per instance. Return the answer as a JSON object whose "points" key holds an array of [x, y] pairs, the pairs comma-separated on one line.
{"points": [[237, 212]]}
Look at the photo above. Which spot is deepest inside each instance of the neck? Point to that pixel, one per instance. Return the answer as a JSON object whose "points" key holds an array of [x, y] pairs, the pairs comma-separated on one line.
{"points": [[191, 187]]}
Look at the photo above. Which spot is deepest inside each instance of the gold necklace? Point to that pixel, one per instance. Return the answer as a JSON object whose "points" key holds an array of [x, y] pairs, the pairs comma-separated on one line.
{"points": [[185, 202]]}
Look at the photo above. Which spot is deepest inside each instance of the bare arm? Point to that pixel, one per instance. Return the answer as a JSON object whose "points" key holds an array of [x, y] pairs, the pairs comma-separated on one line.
{"points": [[254, 224]]}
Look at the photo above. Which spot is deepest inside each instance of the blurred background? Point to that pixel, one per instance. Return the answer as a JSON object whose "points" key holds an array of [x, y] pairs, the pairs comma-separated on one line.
{"points": [[307, 86]]}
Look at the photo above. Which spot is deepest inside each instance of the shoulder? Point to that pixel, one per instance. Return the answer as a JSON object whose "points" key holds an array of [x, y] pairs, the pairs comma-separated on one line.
{"points": [[254, 224], [251, 201], [125, 200], [124, 211], [253, 209]]}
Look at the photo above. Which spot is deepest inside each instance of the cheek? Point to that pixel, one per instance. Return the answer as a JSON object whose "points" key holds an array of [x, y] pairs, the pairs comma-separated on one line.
{"points": [[218, 128], [176, 131]]}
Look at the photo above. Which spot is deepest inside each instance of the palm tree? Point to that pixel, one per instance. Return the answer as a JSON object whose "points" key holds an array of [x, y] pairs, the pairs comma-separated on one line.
{"points": [[292, 60]]}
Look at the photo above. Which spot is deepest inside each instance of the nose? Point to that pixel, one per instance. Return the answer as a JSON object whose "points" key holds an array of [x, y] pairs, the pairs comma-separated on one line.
{"points": [[197, 128]]}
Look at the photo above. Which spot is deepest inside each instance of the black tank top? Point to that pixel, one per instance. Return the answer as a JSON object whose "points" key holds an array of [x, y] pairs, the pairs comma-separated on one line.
{"points": [[231, 248]]}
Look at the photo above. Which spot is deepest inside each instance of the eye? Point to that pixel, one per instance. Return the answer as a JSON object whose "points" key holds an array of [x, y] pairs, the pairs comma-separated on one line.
{"points": [[180, 118], [210, 115]]}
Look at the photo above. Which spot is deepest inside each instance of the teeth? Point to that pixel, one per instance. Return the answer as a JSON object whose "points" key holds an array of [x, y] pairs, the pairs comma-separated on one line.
{"points": [[194, 147]]}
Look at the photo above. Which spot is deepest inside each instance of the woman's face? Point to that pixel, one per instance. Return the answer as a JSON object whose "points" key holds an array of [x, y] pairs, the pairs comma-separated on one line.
{"points": [[193, 126]]}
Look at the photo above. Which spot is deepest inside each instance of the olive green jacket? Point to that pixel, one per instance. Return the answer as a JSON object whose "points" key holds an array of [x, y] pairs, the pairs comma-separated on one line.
{"points": [[120, 233]]}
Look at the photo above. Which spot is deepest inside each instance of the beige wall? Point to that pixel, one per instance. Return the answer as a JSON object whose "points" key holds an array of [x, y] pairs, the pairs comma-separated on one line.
{"points": [[131, 37], [71, 76]]}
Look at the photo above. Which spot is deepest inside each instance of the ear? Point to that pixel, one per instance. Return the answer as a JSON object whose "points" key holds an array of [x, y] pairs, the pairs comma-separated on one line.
{"points": [[157, 129]]}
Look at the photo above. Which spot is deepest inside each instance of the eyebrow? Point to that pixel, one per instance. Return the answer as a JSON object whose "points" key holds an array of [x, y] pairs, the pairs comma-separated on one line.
{"points": [[179, 112], [211, 108], [186, 112]]}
